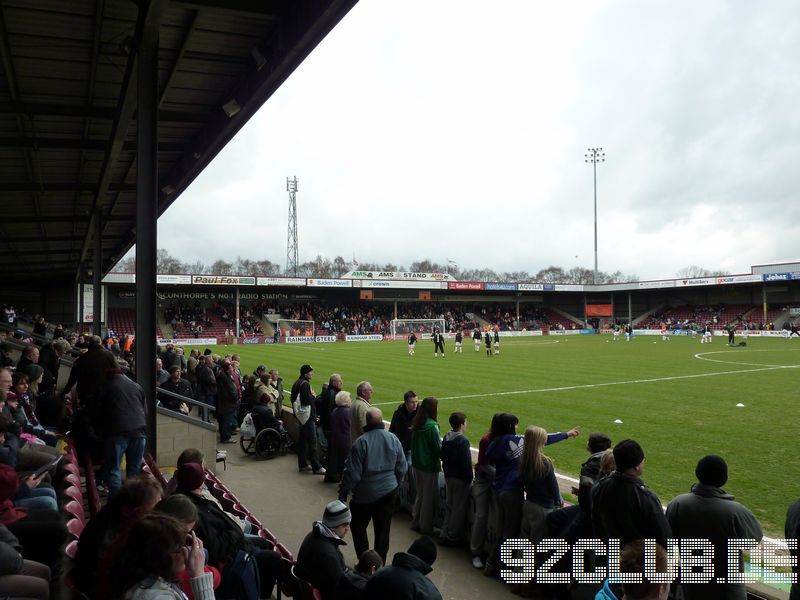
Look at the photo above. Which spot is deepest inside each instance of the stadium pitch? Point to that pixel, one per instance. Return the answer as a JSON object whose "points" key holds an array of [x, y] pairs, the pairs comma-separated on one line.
{"points": [[677, 398]]}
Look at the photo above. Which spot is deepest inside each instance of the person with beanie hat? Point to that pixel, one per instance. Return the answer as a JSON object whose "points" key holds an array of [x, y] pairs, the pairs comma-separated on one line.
{"points": [[623, 507], [319, 560], [709, 512], [405, 578], [307, 459]]}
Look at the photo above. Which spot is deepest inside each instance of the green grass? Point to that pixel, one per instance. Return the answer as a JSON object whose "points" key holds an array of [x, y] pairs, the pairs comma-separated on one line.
{"points": [[676, 420]]}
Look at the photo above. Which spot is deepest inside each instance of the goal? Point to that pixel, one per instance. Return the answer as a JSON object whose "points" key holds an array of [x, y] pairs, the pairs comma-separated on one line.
{"points": [[422, 327], [295, 328]]}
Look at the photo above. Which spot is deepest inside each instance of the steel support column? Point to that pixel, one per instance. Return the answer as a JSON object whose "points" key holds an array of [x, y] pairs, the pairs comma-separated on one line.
{"points": [[146, 219], [97, 267]]}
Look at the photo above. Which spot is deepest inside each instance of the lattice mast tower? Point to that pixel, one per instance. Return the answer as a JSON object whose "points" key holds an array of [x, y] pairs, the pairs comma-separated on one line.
{"points": [[291, 237]]}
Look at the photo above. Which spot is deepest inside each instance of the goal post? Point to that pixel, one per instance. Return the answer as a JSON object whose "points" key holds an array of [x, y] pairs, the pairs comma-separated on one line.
{"points": [[295, 328], [423, 328]]}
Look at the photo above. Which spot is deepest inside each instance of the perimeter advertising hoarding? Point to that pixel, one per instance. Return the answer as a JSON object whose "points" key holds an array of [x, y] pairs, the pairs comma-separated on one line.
{"points": [[472, 286], [530, 287], [728, 279], [651, 285], [568, 287], [697, 281], [301, 339], [417, 284], [339, 283], [501, 286], [374, 337], [791, 276], [282, 281], [397, 275], [222, 280]]}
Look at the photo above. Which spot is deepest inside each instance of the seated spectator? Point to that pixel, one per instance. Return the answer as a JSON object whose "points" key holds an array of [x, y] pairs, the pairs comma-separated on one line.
{"points": [[265, 396], [161, 374], [5, 356], [183, 509], [319, 560], [406, 576], [223, 537], [20, 578], [157, 552], [138, 496], [41, 533], [352, 584]]}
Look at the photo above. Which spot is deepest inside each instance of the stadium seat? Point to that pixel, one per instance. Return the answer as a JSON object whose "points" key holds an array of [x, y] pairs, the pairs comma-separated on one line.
{"points": [[305, 591], [72, 479], [284, 552], [71, 550], [74, 493], [267, 535], [75, 509], [75, 527], [71, 467]]}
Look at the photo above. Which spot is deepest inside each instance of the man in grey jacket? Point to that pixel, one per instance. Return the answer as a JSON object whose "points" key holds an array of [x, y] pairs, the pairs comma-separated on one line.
{"points": [[709, 512], [375, 466]]}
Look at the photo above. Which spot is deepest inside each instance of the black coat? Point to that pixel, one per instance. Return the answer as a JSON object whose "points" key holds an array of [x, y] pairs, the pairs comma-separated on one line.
{"points": [[122, 404], [221, 535], [319, 560], [404, 579], [326, 406], [624, 508], [401, 426], [226, 394]]}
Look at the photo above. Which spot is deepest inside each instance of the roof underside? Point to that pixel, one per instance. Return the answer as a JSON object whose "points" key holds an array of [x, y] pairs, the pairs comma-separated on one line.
{"points": [[68, 111]]}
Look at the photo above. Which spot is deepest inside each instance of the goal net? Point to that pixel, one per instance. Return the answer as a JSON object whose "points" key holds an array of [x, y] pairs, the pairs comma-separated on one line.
{"points": [[295, 328], [423, 328]]}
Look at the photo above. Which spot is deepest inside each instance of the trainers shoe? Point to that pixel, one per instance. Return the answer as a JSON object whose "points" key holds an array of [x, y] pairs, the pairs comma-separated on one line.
{"points": [[477, 562], [305, 469], [320, 471]]}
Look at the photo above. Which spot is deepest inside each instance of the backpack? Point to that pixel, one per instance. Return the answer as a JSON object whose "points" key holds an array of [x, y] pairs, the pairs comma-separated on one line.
{"points": [[240, 580]]}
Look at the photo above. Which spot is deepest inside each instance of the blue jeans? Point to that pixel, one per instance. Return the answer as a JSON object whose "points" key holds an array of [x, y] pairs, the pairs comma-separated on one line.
{"points": [[116, 447], [39, 498], [307, 446]]}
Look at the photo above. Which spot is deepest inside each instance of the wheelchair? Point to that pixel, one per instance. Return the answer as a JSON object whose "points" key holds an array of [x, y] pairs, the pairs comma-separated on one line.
{"points": [[271, 437]]}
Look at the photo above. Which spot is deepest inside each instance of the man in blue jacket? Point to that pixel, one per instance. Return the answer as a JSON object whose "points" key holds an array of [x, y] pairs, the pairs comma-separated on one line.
{"points": [[373, 471]]}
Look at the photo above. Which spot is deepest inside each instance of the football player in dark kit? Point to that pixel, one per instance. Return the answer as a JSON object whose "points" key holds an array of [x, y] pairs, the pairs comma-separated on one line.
{"points": [[438, 342], [412, 342], [488, 340], [476, 337], [731, 331]]}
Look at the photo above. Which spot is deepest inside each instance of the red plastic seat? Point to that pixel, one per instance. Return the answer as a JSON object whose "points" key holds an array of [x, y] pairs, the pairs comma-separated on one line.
{"points": [[75, 527], [72, 479], [71, 550], [75, 509], [74, 493]]}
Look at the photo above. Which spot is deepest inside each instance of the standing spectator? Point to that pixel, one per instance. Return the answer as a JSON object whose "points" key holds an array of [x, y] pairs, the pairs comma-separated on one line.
{"points": [[402, 419], [307, 439], [206, 381], [340, 437], [319, 560], [122, 402], [709, 512], [50, 361], [226, 402], [358, 412], [406, 577], [326, 405], [276, 381], [179, 386], [623, 507], [482, 494], [426, 449], [89, 372], [457, 467], [191, 370], [161, 374], [373, 471]]}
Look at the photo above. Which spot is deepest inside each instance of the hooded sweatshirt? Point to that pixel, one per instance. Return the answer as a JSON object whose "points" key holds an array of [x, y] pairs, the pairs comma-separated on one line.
{"points": [[456, 456], [404, 579], [426, 447]]}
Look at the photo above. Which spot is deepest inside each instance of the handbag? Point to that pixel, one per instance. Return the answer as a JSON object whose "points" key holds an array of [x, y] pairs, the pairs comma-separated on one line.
{"points": [[301, 412]]}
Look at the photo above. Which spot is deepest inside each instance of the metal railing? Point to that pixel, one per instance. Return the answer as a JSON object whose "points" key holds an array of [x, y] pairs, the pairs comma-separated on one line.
{"points": [[203, 408]]}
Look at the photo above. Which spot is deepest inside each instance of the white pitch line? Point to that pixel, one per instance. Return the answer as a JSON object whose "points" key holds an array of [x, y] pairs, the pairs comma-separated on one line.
{"points": [[607, 384], [702, 355]]}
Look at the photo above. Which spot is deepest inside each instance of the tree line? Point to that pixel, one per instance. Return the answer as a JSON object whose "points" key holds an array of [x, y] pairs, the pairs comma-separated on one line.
{"points": [[324, 267]]}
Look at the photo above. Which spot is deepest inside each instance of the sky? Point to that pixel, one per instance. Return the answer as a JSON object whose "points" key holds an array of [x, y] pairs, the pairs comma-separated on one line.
{"points": [[456, 130]]}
